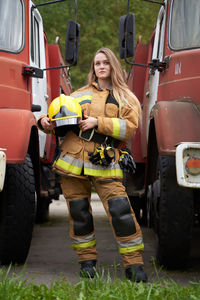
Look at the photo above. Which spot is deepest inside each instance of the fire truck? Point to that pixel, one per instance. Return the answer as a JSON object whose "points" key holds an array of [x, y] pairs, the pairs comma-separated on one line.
{"points": [[32, 74], [164, 75]]}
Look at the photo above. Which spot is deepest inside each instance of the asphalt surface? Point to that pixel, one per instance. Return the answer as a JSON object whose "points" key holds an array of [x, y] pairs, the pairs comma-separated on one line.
{"points": [[51, 256]]}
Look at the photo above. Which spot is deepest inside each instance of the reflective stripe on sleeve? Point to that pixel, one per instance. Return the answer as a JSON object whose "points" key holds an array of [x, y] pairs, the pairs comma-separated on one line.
{"points": [[83, 246], [113, 170], [127, 250], [84, 101], [84, 97], [119, 129], [70, 164]]}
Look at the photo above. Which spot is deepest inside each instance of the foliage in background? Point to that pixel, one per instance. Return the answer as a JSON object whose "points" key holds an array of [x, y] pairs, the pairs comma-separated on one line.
{"points": [[99, 20]]}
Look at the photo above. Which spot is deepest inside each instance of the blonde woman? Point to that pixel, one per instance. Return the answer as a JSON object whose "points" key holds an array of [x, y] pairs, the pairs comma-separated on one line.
{"points": [[90, 156]]}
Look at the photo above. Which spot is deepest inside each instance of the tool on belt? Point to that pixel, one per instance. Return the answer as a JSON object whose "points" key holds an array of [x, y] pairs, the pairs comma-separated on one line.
{"points": [[102, 155], [126, 161]]}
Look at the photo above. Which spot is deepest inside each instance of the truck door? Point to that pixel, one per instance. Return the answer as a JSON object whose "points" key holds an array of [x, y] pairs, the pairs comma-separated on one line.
{"points": [[37, 59], [157, 53]]}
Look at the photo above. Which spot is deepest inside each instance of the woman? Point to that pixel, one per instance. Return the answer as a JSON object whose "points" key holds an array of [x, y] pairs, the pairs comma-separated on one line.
{"points": [[111, 115]]}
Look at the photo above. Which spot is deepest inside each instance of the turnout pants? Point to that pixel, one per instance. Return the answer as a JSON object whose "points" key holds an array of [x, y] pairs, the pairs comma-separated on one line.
{"points": [[77, 192]]}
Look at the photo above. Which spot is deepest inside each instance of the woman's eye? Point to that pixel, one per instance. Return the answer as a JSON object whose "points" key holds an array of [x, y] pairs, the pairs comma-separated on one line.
{"points": [[103, 63]]}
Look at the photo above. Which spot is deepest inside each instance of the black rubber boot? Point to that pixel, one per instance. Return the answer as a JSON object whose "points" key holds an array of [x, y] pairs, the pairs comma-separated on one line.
{"points": [[88, 268], [136, 273]]}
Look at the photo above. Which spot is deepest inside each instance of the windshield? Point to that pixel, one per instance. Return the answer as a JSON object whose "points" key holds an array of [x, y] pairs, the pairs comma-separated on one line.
{"points": [[11, 25], [185, 24]]}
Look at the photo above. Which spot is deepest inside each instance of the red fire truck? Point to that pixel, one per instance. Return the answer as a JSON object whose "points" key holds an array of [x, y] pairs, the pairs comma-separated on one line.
{"points": [[31, 75], [165, 77]]}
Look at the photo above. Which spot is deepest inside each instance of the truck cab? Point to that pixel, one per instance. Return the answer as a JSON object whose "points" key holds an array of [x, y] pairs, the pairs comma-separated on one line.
{"points": [[32, 74], [165, 78]]}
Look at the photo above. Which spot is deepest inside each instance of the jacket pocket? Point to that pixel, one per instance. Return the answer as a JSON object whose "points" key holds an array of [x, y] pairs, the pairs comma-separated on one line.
{"points": [[111, 110], [71, 145]]}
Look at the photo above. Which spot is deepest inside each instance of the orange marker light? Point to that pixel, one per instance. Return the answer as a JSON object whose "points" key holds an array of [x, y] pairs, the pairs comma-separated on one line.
{"points": [[193, 166]]}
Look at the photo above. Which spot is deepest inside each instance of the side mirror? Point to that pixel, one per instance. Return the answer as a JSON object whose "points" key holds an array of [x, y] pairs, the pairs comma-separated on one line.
{"points": [[72, 42], [127, 36]]}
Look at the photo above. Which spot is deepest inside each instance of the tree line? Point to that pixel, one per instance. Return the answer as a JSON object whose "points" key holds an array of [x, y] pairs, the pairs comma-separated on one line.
{"points": [[99, 21]]}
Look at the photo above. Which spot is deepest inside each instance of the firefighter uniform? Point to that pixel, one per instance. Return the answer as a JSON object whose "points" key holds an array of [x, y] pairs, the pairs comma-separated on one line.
{"points": [[79, 173]]}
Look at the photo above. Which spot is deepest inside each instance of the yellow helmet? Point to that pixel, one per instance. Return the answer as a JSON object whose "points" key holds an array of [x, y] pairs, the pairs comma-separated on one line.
{"points": [[66, 112]]}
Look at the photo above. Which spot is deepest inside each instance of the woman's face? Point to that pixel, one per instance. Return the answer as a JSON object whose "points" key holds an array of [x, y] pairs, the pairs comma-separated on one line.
{"points": [[102, 66]]}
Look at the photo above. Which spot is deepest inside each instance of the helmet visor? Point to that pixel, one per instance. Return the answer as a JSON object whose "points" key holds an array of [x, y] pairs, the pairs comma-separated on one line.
{"points": [[63, 122]]}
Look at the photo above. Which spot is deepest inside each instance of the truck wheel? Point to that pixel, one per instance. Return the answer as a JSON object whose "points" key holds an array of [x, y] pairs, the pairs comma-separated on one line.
{"points": [[138, 206], [149, 211], [135, 203], [173, 213], [42, 211], [17, 212]]}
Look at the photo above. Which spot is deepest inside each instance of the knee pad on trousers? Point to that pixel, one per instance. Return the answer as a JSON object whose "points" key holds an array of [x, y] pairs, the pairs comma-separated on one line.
{"points": [[122, 220], [83, 221]]}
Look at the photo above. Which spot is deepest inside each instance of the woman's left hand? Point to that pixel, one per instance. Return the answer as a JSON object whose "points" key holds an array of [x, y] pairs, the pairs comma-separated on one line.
{"points": [[88, 123]]}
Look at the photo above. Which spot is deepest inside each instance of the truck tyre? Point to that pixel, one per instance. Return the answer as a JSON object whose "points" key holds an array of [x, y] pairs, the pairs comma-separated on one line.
{"points": [[149, 210], [17, 212], [173, 213], [135, 203], [42, 211]]}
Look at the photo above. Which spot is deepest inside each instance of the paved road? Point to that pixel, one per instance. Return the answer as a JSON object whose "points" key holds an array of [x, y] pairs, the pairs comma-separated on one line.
{"points": [[51, 255]]}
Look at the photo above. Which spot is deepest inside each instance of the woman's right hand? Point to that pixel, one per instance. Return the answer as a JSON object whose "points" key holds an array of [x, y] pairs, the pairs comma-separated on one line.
{"points": [[46, 123]]}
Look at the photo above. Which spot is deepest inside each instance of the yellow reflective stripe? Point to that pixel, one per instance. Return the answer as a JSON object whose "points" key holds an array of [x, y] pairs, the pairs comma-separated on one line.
{"points": [[78, 240], [85, 97], [104, 173], [68, 167], [116, 128], [133, 242], [83, 93], [119, 129], [83, 246], [131, 249]]}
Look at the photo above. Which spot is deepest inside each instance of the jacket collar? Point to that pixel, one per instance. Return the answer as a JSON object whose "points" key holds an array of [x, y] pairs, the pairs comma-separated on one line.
{"points": [[96, 85]]}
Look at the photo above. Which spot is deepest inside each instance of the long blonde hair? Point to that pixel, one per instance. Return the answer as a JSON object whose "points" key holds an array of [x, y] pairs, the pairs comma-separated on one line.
{"points": [[121, 91]]}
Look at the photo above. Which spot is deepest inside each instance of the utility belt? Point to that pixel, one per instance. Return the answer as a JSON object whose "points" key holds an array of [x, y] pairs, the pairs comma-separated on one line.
{"points": [[91, 135]]}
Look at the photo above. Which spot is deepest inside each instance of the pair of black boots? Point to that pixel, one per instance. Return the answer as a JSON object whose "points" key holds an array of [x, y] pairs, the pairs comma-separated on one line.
{"points": [[133, 273]]}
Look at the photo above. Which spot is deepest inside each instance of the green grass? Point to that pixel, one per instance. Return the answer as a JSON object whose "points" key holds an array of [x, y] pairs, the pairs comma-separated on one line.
{"points": [[12, 287]]}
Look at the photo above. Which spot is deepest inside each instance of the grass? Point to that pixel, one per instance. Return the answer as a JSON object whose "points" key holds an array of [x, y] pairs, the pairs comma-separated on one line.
{"points": [[12, 287]]}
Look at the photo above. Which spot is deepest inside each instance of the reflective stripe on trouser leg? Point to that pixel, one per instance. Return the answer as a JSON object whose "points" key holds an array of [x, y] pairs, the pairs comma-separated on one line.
{"points": [[124, 224], [122, 218], [85, 247], [81, 220], [132, 251], [84, 243]]}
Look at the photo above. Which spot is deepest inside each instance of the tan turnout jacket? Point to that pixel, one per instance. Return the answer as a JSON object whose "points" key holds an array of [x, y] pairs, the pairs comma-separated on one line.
{"points": [[74, 159]]}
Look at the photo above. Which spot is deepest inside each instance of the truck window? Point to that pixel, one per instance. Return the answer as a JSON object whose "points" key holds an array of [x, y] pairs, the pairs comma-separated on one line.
{"points": [[184, 24], [36, 43], [159, 35], [11, 25], [35, 38]]}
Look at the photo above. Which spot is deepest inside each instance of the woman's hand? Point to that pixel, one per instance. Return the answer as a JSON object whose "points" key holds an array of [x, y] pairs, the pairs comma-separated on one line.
{"points": [[46, 123], [88, 123]]}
